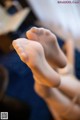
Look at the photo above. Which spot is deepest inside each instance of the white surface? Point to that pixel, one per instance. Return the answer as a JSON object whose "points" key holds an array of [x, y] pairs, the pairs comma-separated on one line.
{"points": [[66, 15], [63, 19]]}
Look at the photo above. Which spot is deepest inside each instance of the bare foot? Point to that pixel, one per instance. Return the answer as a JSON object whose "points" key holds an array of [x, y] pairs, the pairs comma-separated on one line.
{"points": [[32, 53], [53, 53]]}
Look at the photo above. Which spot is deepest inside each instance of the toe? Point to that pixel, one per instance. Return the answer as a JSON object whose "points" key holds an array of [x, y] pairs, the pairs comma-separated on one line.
{"points": [[34, 33], [34, 29], [19, 47], [14, 43], [20, 50], [31, 35], [37, 31], [41, 31], [50, 35], [24, 57]]}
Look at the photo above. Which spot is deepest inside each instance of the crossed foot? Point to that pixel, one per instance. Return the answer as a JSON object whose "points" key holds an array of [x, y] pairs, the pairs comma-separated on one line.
{"points": [[48, 40], [42, 45]]}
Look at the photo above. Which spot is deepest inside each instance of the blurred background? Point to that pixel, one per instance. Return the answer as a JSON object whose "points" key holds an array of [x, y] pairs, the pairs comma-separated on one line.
{"points": [[16, 81]]}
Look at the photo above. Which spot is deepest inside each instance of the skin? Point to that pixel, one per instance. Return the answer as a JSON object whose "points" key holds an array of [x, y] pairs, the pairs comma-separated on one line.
{"points": [[37, 56], [28, 51], [53, 53]]}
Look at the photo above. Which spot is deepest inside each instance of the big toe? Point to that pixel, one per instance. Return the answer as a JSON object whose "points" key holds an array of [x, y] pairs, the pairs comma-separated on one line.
{"points": [[32, 33], [18, 46]]}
